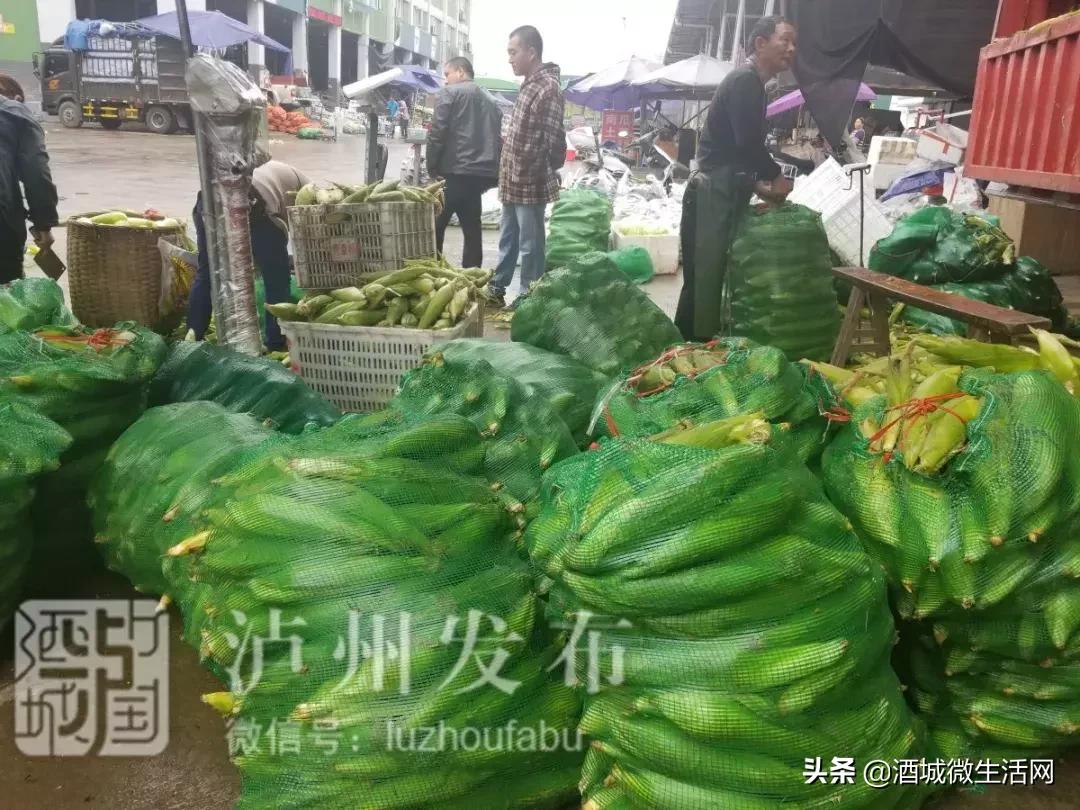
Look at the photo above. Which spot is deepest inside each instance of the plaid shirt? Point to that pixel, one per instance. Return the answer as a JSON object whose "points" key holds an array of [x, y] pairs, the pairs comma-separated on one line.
{"points": [[535, 145]]}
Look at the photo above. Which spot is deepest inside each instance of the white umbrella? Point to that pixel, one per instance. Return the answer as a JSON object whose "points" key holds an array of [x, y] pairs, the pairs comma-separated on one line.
{"points": [[698, 76], [611, 88]]}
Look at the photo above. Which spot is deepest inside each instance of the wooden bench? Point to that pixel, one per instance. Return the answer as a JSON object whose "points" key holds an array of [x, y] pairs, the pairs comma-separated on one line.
{"points": [[985, 322]]}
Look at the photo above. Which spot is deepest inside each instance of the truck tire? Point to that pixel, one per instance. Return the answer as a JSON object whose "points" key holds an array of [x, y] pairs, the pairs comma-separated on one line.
{"points": [[160, 120], [70, 114], [110, 123]]}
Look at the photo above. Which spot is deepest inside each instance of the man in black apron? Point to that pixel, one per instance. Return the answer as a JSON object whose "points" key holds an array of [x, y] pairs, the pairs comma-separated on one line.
{"points": [[733, 164]]}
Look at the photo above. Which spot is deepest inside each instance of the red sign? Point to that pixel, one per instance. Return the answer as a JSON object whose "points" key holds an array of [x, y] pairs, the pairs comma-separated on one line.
{"points": [[615, 122], [324, 16]]}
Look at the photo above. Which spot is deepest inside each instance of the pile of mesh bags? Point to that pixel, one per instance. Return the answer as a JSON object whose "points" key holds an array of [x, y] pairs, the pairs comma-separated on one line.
{"points": [[93, 384], [569, 387], [693, 383], [967, 255], [592, 312], [778, 290], [580, 224], [965, 487], [30, 444], [243, 384], [382, 561], [750, 627]]}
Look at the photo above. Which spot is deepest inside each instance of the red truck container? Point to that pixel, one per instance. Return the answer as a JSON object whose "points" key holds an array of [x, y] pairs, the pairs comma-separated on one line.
{"points": [[1025, 124]]}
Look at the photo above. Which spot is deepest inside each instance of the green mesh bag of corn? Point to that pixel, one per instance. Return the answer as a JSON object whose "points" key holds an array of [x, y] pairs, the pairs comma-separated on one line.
{"points": [[30, 444], [568, 386], [592, 312], [407, 652], [580, 224], [157, 477], [30, 303], [521, 434], [959, 484], [694, 383], [254, 385], [779, 287], [750, 628], [93, 384]]}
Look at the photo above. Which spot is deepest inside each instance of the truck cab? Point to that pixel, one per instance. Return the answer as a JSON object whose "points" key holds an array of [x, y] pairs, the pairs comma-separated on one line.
{"points": [[56, 70]]}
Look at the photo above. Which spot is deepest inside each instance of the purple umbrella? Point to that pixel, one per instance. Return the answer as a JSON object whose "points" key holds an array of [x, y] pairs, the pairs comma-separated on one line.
{"points": [[795, 99], [210, 29]]}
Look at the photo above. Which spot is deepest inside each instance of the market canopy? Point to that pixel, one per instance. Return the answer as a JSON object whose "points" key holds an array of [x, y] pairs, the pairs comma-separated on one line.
{"points": [[696, 77], [937, 41], [612, 88], [795, 99], [210, 29]]}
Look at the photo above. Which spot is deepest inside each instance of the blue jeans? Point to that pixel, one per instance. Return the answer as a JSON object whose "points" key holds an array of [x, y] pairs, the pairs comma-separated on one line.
{"points": [[522, 235], [270, 252]]}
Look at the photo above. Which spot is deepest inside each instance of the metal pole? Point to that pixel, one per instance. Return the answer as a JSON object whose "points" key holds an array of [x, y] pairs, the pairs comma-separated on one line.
{"points": [[373, 147]]}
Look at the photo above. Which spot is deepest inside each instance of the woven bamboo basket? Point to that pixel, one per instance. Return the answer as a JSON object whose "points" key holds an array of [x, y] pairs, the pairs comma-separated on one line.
{"points": [[114, 273]]}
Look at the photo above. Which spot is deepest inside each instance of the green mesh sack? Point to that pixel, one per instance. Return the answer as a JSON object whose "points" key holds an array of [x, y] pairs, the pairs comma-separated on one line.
{"points": [[1033, 290], [695, 383], [389, 558], [997, 293], [935, 245], [93, 384], [522, 434], [157, 478], [29, 303], [593, 313], [569, 387], [751, 628], [980, 528], [779, 286], [30, 444], [254, 385], [580, 224], [635, 262]]}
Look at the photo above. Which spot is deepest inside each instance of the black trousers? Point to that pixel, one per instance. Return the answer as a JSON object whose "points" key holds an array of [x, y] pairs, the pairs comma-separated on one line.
{"points": [[463, 193], [12, 248]]}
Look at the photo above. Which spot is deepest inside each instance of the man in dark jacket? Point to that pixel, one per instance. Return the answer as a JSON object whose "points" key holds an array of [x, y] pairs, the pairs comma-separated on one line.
{"points": [[24, 166], [463, 147]]}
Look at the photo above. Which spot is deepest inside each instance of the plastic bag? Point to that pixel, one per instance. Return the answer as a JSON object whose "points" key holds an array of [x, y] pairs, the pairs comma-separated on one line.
{"points": [[936, 245], [254, 385], [593, 313], [580, 224], [779, 285], [635, 262], [178, 270]]}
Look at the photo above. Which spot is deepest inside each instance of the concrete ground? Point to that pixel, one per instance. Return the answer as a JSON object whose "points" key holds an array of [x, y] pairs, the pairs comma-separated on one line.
{"points": [[96, 170]]}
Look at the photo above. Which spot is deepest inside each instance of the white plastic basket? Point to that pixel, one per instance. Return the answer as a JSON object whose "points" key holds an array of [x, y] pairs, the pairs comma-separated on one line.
{"points": [[835, 196], [337, 245], [359, 368]]}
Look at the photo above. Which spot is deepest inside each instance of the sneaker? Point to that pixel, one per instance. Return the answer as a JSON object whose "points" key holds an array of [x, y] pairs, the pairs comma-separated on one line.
{"points": [[496, 300]]}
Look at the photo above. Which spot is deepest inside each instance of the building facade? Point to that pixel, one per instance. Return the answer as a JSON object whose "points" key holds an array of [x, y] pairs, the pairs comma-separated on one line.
{"points": [[331, 42]]}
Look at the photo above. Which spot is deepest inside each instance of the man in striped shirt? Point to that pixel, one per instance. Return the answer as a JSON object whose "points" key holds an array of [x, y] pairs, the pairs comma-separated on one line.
{"points": [[533, 151]]}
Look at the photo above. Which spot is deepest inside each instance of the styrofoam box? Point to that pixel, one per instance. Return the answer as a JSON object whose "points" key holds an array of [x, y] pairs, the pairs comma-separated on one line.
{"points": [[663, 250], [943, 142], [359, 368], [834, 195], [886, 149]]}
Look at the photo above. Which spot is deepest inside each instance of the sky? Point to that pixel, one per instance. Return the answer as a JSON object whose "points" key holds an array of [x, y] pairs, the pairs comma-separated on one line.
{"points": [[581, 36]]}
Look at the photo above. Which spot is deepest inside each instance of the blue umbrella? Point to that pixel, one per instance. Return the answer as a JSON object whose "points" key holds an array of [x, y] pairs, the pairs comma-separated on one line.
{"points": [[210, 29]]}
